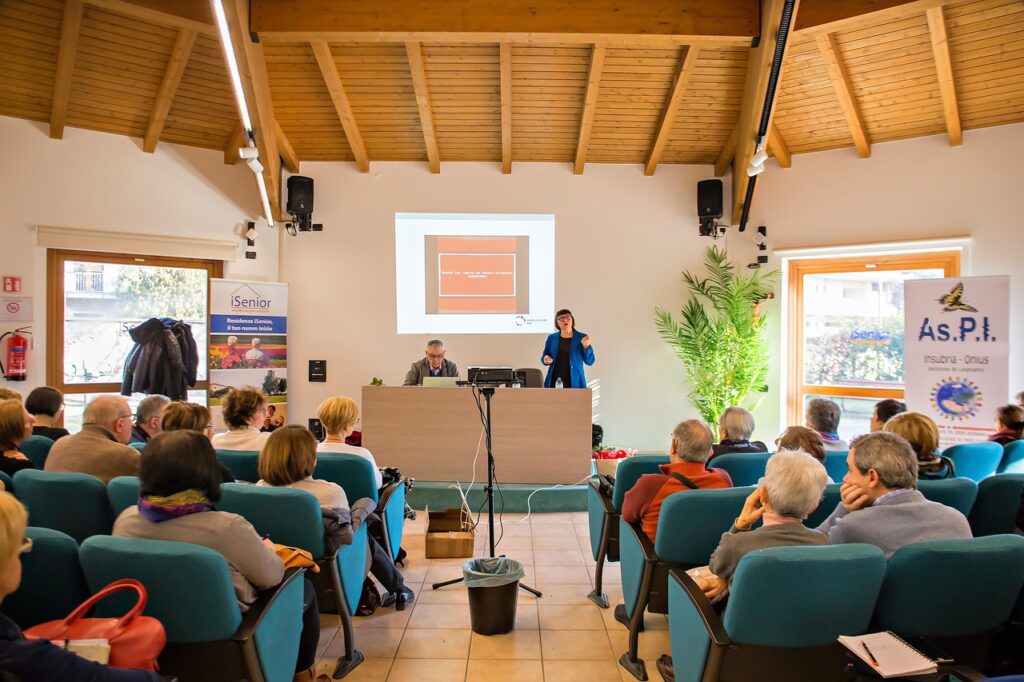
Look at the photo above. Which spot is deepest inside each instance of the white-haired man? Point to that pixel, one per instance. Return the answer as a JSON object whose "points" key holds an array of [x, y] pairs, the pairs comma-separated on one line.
{"points": [[99, 448], [432, 364]]}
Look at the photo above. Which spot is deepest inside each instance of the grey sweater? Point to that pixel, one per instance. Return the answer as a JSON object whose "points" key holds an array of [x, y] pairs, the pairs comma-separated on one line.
{"points": [[898, 519], [736, 543]]}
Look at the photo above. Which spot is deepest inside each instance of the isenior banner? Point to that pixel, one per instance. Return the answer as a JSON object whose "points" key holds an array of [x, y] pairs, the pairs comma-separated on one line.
{"points": [[249, 343], [956, 353]]}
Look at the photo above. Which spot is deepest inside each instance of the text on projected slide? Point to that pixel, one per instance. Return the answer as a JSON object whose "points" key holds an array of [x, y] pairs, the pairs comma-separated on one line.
{"points": [[477, 274]]}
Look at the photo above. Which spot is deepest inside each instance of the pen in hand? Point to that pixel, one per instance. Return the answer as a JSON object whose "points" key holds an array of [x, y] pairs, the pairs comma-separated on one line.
{"points": [[874, 661]]}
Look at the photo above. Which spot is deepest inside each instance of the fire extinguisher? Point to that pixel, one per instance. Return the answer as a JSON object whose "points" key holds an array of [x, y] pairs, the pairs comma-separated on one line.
{"points": [[16, 354]]}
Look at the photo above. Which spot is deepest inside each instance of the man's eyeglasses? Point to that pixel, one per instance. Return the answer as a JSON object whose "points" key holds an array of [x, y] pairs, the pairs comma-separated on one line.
{"points": [[435, 357], [26, 546]]}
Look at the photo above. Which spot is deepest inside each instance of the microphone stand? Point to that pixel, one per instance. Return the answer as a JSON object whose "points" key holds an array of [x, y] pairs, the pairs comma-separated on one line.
{"points": [[488, 393]]}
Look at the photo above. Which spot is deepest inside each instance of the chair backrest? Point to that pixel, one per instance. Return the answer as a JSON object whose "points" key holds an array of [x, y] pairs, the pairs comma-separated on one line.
{"points": [[290, 517], [829, 502], [629, 472], [75, 504], [138, 446], [189, 586], [691, 523], [745, 468], [352, 472], [803, 596], [998, 503], [8, 482], [975, 460], [123, 492], [36, 448], [835, 464], [534, 378], [1013, 458], [951, 588], [52, 582], [958, 493], [244, 464]]}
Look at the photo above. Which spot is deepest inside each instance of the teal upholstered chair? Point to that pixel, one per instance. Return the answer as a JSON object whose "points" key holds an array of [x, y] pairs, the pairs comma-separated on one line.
{"points": [[123, 492], [356, 476], [745, 468], [52, 583], [603, 512], [835, 464], [829, 502], [138, 446], [190, 592], [292, 517], [995, 510], [75, 504], [7, 481], [690, 524], [958, 493], [787, 606], [36, 448], [244, 464], [975, 460], [1013, 458]]}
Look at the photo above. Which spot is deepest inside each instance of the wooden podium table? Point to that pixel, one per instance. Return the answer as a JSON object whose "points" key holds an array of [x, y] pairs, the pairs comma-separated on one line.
{"points": [[539, 435]]}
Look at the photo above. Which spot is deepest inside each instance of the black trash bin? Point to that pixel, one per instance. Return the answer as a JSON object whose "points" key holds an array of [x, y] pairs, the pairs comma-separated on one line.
{"points": [[492, 585]]}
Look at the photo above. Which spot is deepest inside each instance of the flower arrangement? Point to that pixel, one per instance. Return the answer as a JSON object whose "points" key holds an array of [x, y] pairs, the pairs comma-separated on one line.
{"points": [[611, 452]]}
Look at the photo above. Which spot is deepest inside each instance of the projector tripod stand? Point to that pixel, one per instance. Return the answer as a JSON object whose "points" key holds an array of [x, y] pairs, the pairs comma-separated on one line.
{"points": [[488, 393]]}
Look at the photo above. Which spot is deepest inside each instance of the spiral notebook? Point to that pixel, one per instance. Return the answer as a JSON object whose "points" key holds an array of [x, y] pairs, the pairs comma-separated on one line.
{"points": [[888, 655]]}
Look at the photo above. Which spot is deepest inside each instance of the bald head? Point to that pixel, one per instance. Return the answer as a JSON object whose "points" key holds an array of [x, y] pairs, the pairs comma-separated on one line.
{"points": [[112, 413], [691, 441]]}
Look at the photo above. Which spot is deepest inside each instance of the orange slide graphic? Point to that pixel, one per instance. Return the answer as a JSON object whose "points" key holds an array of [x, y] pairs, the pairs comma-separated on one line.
{"points": [[476, 275]]}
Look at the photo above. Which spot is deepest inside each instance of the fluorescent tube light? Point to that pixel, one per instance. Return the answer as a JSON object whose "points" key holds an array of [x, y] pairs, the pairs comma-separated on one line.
{"points": [[229, 55]]}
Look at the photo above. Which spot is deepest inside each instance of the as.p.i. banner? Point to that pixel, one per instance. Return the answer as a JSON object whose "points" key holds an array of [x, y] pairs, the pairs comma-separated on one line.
{"points": [[956, 357], [249, 343]]}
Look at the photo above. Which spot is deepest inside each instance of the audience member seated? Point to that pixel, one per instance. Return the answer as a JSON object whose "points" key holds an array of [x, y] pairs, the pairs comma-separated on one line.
{"points": [[289, 459], [1010, 422], [734, 429], [179, 482], [806, 440], [922, 434], [147, 418], [823, 416], [880, 505], [884, 411], [179, 416], [340, 416], [38, 659], [793, 485], [9, 394], [269, 423], [15, 426], [100, 448], [687, 469], [46, 404], [244, 410], [1020, 398]]}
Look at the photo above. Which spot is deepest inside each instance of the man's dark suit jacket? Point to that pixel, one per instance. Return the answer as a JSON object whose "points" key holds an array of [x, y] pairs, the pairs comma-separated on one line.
{"points": [[421, 368]]}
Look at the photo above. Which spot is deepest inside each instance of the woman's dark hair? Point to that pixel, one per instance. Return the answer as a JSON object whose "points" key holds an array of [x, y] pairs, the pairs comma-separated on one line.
{"points": [[889, 408], [177, 461], [565, 311], [240, 404], [44, 400]]}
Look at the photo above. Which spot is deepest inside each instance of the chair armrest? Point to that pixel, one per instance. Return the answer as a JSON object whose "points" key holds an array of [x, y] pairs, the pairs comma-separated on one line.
{"points": [[264, 600], [646, 546], [712, 621], [388, 491], [606, 501]]}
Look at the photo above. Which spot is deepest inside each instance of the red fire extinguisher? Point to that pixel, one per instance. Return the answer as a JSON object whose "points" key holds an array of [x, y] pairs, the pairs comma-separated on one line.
{"points": [[16, 368]]}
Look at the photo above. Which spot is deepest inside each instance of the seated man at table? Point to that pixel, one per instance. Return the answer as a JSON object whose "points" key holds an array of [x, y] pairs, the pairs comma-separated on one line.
{"points": [[880, 504], [433, 364]]}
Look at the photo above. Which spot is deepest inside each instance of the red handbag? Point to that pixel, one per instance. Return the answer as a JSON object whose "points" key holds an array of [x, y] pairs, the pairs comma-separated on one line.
{"points": [[135, 640]]}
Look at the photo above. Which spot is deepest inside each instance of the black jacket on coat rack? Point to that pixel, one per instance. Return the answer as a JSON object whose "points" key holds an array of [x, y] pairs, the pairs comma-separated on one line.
{"points": [[164, 359]]}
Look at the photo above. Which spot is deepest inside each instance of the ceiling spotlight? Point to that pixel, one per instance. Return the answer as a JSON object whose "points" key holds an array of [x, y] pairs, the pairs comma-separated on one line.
{"points": [[248, 152], [759, 157], [250, 234], [256, 167], [753, 170]]}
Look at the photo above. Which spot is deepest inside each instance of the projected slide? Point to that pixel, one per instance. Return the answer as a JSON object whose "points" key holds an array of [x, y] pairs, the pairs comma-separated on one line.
{"points": [[474, 273]]}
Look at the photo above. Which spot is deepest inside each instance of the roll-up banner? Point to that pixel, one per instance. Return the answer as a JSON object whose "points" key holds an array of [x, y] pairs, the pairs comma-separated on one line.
{"points": [[249, 344], [956, 356]]}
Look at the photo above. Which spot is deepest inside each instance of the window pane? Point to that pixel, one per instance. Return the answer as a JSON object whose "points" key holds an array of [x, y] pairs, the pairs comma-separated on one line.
{"points": [[853, 327], [856, 413], [103, 300], [74, 405]]}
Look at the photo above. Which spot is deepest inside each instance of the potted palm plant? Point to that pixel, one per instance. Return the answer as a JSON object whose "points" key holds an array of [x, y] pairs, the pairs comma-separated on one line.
{"points": [[720, 334]]}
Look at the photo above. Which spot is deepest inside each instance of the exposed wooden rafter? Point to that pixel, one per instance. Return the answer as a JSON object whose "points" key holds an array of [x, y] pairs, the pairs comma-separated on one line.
{"points": [[505, 67], [172, 77], [288, 155], [329, 71], [589, 106], [844, 91], [724, 159], [830, 16], [180, 14], [235, 142], [777, 144], [668, 117], [418, 71], [944, 69], [70, 26]]}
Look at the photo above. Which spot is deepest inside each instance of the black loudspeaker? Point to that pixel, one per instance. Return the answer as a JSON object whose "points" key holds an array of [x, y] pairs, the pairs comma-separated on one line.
{"points": [[709, 198], [300, 194]]}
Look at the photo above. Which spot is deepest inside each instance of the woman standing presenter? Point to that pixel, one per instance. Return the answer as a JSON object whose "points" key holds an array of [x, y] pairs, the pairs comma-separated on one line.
{"points": [[565, 353]]}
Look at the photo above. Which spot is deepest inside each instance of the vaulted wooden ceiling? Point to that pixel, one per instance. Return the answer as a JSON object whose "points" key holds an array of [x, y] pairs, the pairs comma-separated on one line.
{"points": [[572, 82]]}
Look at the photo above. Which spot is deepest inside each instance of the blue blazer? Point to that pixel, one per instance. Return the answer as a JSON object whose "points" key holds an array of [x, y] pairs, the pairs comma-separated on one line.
{"points": [[578, 356]]}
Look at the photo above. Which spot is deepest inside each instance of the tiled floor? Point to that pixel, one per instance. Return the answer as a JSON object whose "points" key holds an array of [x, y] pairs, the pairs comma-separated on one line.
{"points": [[562, 637]]}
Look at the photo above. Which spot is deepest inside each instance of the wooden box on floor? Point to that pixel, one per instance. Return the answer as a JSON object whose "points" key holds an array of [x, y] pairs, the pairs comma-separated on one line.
{"points": [[449, 536]]}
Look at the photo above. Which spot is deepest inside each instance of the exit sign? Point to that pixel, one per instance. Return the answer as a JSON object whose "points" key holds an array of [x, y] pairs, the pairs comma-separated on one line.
{"points": [[12, 285]]}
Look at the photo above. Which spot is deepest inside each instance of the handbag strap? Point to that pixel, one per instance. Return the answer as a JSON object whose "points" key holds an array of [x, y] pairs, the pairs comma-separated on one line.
{"points": [[116, 586], [684, 480]]}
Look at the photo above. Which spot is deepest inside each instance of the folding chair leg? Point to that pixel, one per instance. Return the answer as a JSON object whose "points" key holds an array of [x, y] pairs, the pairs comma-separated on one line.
{"points": [[597, 595], [352, 658], [631, 660]]}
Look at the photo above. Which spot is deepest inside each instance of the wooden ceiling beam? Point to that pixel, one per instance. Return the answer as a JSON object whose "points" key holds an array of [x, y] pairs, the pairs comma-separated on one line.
{"points": [[944, 68], [418, 71], [831, 16], [69, 30], [837, 73], [180, 14], [235, 142], [777, 144], [505, 66], [288, 155], [169, 87], [725, 156], [329, 71], [589, 106], [684, 70]]}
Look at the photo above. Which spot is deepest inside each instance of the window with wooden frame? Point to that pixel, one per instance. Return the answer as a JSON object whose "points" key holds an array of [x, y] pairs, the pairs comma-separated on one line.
{"points": [[93, 299], [846, 330]]}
